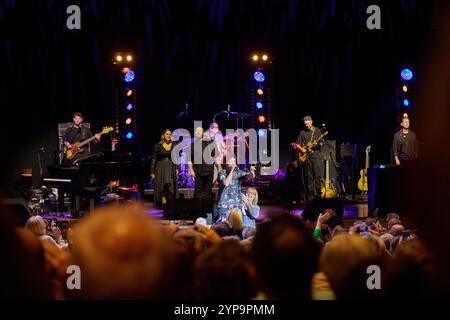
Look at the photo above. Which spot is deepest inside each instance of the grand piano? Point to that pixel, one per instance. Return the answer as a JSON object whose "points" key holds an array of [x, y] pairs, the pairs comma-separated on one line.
{"points": [[96, 173]]}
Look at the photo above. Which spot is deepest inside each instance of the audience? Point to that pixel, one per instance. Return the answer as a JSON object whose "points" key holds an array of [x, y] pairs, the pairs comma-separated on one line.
{"points": [[344, 261], [124, 254], [285, 257], [224, 271], [37, 226], [23, 267], [121, 255], [412, 273]]}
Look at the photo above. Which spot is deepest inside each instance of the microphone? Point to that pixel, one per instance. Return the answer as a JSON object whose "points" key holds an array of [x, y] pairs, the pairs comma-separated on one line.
{"points": [[228, 112], [187, 108]]}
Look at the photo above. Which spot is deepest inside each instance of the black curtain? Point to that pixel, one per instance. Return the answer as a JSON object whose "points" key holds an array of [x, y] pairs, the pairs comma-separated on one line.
{"points": [[326, 64]]}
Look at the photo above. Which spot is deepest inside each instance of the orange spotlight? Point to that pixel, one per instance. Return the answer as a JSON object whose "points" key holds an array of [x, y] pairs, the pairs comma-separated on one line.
{"points": [[119, 58], [405, 89], [129, 58], [129, 93], [261, 119], [255, 57], [265, 57], [128, 121], [260, 92], [125, 70]]}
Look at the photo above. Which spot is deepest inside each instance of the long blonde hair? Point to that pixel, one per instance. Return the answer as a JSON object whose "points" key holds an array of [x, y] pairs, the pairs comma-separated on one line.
{"points": [[36, 225], [255, 193]]}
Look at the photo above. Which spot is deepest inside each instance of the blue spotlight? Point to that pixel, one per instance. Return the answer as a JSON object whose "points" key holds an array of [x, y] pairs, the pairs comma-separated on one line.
{"points": [[259, 76], [406, 74], [130, 135], [259, 105], [129, 76], [129, 107], [261, 132], [406, 102]]}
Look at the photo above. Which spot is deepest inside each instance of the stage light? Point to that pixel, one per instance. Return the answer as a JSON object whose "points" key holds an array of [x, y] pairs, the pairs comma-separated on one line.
{"points": [[119, 58], [129, 93], [405, 89], [129, 58], [129, 76], [260, 91], [129, 107], [406, 74], [129, 135], [265, 57], [259, 76], [261, 119], [405, 102], [125, 70], [128, 121], [259, 105], [261, 132], [255, 57]]}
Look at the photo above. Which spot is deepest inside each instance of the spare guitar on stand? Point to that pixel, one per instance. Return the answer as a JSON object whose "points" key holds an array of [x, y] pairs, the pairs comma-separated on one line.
{"points": [[328, 190], [362, 182]]}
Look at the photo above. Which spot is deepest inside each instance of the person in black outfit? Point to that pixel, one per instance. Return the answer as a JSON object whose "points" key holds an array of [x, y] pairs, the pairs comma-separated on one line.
{"points": [[404, 145], [164, 171], [77, 133], [201, 169], [314, 166]]}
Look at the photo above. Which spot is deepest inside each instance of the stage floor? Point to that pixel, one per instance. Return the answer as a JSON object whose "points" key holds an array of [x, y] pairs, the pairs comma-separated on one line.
{"points": [[351, 210]]}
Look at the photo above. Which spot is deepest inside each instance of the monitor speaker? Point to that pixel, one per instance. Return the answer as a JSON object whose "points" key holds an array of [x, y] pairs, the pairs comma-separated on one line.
{"points": [[388, 189], [187, 209], [317, 206], [348, 150]]}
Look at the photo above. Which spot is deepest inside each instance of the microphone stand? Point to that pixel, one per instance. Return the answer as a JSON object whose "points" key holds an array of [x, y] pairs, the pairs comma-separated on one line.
{"points": [[239, 116], [182, 113], [41, 170]]}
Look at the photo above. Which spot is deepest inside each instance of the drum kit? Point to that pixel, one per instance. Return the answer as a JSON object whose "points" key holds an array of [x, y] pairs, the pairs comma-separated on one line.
{"points": [[230, 141]]}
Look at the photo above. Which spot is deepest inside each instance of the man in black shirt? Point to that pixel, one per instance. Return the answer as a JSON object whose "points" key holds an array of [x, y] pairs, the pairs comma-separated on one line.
{"points": [[78, 133], [201, 169], [404, 145], [314, 166]]}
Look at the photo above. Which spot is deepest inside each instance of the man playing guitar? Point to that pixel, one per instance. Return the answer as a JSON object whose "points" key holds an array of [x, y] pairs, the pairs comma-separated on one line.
{"points": [[314, 164], [77, 133]]}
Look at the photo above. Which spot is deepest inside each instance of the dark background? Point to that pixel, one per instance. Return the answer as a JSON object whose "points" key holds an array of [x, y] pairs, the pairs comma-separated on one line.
{"points": [[326, 63]]}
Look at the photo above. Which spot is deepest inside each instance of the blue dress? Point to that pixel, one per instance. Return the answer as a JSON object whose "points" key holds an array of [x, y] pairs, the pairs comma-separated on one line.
{"points": [[253, 210], [231, 195]]}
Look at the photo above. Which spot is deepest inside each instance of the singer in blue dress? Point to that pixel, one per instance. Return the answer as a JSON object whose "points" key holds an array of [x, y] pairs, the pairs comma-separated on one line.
{"points": [[231, 195]]}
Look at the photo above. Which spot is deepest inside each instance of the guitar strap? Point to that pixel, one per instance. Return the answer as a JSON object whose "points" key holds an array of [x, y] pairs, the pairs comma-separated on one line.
{"points": [[312, 135]]}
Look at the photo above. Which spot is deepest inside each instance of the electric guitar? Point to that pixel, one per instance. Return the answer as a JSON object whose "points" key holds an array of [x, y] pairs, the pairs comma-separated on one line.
{"points": [[328, 190], [76, 147], [303, 157], [362, 182]]}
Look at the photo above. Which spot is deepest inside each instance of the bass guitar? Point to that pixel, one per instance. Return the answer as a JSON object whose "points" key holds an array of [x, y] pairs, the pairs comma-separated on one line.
{"points": [[76, 147]]}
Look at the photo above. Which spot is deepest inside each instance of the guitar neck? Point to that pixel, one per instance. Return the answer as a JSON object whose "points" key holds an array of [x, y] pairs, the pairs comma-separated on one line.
{"points": [[86, 141], [367, 161], [327, 175]]}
